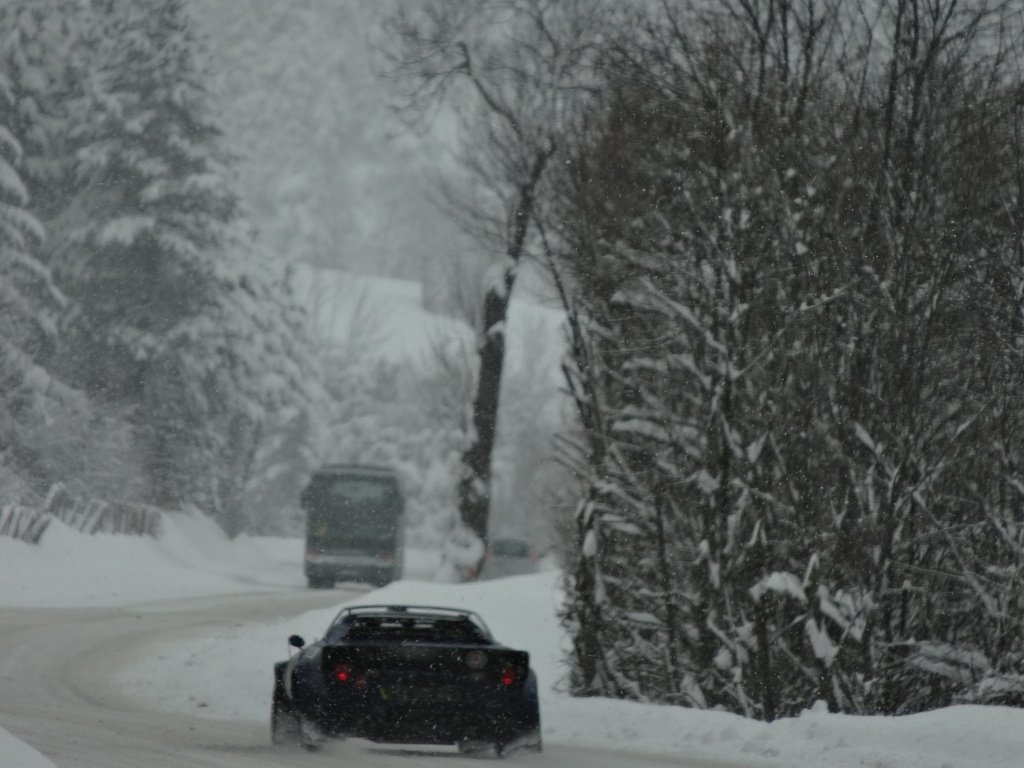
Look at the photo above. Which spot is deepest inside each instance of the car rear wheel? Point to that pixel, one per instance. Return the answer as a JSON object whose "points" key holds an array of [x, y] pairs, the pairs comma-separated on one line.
{"points": [[310, 736], [529, 742], [284, 721]]}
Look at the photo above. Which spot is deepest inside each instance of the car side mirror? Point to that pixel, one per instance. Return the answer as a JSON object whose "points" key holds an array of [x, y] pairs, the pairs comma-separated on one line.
{"points": [[296, 641]]}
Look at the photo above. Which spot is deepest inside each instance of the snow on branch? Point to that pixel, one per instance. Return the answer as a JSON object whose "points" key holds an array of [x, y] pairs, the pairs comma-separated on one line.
{"points": [[780, 583]]}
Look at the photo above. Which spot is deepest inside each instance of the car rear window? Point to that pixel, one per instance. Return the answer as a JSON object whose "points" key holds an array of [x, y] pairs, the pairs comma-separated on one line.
{"points": [[424, 630]]}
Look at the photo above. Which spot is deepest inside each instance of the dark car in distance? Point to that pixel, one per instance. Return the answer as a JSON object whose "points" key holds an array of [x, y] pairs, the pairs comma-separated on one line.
{"points": [[411, 675], [508, 557]]}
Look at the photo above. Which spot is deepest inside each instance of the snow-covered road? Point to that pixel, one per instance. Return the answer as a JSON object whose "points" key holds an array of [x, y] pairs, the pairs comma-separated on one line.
{"points": [[131, 652], [57, 670]]}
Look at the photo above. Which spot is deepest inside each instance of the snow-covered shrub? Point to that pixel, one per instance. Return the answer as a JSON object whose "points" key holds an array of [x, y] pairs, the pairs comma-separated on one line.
{"points": [[461, 554], [796, 338]]}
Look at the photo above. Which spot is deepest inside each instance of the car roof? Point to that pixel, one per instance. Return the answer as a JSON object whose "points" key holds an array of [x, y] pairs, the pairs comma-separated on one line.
{"points": [[421, 612]]}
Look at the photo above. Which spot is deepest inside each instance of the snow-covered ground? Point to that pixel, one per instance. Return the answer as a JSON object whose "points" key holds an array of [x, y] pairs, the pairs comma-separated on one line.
{"points": [[212, 676], [18, 754], [192, 558]]}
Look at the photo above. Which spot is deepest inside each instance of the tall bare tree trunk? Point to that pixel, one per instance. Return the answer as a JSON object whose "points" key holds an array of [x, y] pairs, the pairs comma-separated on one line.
{"points": [[475, 484], [514, 96]]}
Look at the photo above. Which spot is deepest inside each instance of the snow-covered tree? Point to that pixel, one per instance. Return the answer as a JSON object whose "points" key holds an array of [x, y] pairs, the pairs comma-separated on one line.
{"points": [[173, 316], [790, 261], [46, 70], [29, 304], [49, 62]]}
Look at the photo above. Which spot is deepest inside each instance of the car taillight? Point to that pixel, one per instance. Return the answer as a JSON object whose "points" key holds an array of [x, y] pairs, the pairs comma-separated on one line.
{"points": [[508, 676], [343, 673]]}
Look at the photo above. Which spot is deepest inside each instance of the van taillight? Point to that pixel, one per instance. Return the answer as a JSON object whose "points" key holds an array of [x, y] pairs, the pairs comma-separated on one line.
{"points": [[508, 676], [343, 673]]}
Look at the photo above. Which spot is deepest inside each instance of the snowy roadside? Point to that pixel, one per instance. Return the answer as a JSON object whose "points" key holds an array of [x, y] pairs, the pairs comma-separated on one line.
{"points": [[522, 612], [15, 753], [193, 559]]}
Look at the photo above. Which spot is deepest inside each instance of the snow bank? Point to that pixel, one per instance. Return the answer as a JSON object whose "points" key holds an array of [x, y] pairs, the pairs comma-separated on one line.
{"points": [[211, 679], [192, 557], [15, 753], [958, 737]]}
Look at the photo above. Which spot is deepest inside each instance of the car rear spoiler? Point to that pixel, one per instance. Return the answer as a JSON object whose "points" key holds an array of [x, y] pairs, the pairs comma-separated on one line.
{"points": [[404, 611]]}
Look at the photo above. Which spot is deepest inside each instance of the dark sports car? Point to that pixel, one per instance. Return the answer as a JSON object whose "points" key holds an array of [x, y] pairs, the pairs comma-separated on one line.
{"points": [[407, 674]]}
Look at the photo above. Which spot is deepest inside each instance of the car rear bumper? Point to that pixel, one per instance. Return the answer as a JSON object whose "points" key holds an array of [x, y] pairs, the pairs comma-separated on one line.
{"points": [[376, 719], [349, 561]]}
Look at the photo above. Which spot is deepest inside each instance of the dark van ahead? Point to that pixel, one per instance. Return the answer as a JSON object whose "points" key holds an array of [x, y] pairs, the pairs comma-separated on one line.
{"points": [[354, 525]]}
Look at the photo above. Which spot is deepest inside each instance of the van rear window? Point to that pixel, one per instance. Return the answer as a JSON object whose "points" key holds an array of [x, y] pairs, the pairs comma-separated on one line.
{"points": [[356, 490], [352, 508]]}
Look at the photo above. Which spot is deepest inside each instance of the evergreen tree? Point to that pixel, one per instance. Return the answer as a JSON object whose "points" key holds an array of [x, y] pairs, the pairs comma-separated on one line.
{"points": [[29, 303], [152, 203], [50, 56], [173, 313], [47, 53]]}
